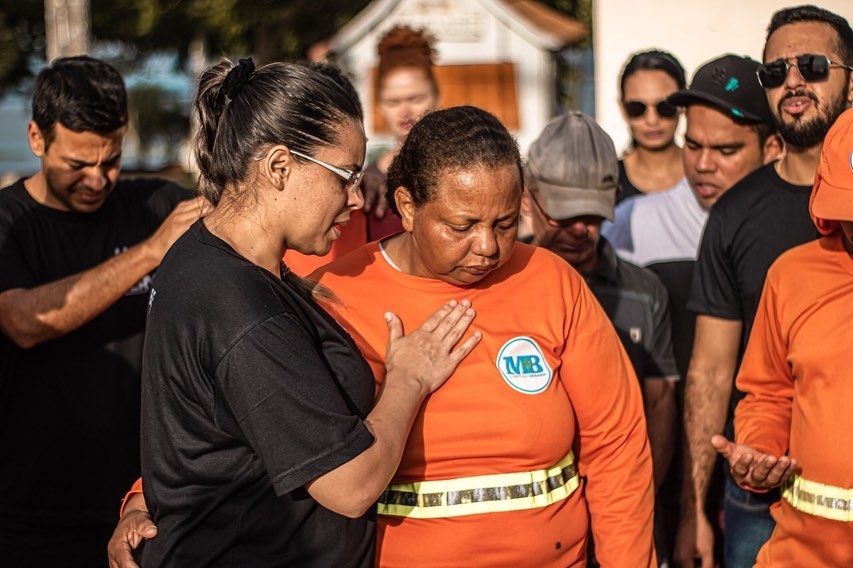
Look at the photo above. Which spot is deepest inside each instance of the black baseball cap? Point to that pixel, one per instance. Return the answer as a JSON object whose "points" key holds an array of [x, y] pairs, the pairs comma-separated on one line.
{"points": [[730, 84]]}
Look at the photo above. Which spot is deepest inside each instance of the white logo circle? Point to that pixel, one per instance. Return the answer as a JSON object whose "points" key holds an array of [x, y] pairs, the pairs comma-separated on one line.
{"points": [[523, 366]]}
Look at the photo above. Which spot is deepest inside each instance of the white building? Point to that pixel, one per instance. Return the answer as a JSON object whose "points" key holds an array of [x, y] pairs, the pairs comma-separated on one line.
{"points": [[496, 54], [695, 31]]}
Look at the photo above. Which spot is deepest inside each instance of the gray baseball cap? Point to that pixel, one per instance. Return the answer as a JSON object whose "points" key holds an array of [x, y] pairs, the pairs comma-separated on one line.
{"points": [[574, 168]]}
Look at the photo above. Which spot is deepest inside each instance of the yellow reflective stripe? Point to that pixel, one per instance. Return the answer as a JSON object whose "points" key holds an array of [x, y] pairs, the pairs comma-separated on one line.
{"points": [[821, 500], [481, 494]]}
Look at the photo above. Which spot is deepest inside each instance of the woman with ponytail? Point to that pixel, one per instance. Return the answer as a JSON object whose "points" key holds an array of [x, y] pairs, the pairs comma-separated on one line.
{"points": [[264, 443]]}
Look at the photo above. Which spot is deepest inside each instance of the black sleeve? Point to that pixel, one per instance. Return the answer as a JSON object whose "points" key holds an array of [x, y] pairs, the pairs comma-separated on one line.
{"points": [[289, 407], [661, 362], [714, 291], [14, 270], [164, 196]]}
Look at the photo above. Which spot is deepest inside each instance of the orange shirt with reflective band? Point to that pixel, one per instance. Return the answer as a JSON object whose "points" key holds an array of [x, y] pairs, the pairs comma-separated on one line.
{"points": [[479, 424], [797, 374]]}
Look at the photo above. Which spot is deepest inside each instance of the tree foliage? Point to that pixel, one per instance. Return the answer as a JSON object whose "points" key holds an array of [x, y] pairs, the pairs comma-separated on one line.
{"points": [[580, 10], [267, 29], [21, 39]]}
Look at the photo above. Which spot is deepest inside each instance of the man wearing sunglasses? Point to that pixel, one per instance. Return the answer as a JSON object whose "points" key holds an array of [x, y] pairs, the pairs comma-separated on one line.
{"points": [[807, 80], [571, 184], [729, 134]]}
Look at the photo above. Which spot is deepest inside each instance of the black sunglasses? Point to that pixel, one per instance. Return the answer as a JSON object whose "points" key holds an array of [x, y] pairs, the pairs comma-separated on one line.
{"points": [[812, 68], [636, 109]]}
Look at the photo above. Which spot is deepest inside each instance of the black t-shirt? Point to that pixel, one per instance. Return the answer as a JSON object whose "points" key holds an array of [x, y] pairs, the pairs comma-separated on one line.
{"points": [[754, 222], [626, 188], [758, 219], [250, 390], [69, 407], [676, 276]]}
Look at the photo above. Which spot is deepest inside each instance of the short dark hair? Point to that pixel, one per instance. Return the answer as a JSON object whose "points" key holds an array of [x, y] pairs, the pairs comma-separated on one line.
{"points": [[764, 131], [653, 60], [81, 93], [810, 13], [454, 138], [295, 104]]}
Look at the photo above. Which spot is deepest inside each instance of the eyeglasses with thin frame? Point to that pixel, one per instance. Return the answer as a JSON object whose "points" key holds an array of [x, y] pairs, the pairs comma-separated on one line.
{"points": [[352, 179], [636, 109], [812, 68]]}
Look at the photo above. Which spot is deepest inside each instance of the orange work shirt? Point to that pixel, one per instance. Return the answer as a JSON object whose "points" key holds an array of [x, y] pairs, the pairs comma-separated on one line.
{"points": [[492, 418], [796, 374]]}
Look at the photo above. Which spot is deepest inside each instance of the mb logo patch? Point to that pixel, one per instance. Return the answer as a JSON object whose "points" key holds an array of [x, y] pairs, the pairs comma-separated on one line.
{"points": [[523, 366]]}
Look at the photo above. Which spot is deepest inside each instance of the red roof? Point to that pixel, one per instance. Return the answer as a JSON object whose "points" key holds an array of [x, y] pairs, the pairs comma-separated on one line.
{"points": [[548, 19]]}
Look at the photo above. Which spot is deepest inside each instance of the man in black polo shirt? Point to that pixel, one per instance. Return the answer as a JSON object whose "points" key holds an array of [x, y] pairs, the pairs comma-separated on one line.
{"points": [[570, 189]]}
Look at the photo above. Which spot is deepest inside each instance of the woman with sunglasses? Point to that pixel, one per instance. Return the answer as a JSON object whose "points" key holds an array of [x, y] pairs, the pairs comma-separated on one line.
{"points": [[263, 441], [653, 161]]}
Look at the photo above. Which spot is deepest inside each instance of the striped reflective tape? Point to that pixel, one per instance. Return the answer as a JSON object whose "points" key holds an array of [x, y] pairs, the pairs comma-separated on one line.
{"points": [[481, 494], [821, 500]]}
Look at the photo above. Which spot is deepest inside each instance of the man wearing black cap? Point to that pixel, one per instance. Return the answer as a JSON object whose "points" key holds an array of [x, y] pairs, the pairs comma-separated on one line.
{"points": [[807, 81], [571, 179], [729, 134]]}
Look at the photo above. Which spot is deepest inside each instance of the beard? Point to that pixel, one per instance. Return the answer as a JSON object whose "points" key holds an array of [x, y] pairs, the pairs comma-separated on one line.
{"points": [[808, 133]]}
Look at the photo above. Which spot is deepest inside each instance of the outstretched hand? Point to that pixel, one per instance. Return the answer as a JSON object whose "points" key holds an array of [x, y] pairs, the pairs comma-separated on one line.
{"points": [[753, 469], [429, 354], [179, 220]]}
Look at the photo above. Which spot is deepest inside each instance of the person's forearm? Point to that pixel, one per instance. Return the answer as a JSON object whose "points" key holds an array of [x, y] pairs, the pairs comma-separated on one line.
{"points": [[661, 424], [133, 499], [350, 489], [706, 401], [32, 316], [134, 502]]}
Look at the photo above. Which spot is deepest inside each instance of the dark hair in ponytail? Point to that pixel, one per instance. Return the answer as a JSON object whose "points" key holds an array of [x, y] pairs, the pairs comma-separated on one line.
{"points": [[240, 110]]}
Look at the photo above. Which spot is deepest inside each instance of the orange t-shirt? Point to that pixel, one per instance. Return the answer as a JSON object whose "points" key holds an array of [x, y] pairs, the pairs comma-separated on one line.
{"points": [[491, 418], [362, 227], [796, 374], [353, 235]]}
